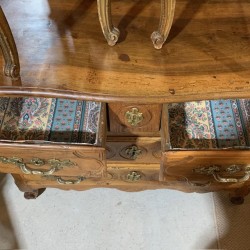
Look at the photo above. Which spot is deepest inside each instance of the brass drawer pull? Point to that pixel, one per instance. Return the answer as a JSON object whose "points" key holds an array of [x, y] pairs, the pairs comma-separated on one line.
{"points": [[134, 117], [231, 180], [60, 180], [27, 170], [54, 163], [215, 171]]}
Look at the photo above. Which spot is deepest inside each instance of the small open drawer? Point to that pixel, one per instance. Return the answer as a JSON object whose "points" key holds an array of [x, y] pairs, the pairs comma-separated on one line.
{"points": [[206, 142], [48, 136]]}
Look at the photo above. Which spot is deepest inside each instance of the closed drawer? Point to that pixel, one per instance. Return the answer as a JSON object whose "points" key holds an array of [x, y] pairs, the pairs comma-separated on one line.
{"points": [[124, 118], [212, 170], [49, 136], [133, 174], [133, 150]]}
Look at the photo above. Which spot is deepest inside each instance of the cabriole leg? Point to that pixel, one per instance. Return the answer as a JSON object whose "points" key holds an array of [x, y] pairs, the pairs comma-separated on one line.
{"points": [[8, 46], [29, 192], [110, 32], [166, 19]]}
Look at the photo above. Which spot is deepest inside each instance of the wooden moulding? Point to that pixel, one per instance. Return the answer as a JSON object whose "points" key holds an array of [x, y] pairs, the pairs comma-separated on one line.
{"points": [[9, 50]]}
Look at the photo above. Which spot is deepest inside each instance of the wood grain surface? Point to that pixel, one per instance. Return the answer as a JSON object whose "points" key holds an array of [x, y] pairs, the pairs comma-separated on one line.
{"points": [[63, 52]]}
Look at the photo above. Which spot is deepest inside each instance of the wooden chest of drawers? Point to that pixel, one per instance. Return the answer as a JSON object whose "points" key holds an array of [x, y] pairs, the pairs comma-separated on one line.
{"points": [[145, 144]]}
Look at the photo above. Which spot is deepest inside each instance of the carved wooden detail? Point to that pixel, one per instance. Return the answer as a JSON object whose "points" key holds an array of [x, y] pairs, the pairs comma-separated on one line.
{"points": [[110, 32], [8, 46], [166, 19]]}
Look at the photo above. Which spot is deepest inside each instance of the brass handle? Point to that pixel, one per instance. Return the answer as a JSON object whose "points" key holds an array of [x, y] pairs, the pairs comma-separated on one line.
{"points": [[134, 116], [215, 171], [54, 163], [218, 178], [60, 180], [27, 170]]}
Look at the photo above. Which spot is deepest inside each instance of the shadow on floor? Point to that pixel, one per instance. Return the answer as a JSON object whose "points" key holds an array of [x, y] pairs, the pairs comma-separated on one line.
{"points": [[8, 237]]}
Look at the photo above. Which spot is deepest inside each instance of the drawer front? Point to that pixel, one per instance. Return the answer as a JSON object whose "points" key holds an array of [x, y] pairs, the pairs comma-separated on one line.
{"points": [[131, 118], [211, 170], [134, 175], [45, 160], [133, 150]]}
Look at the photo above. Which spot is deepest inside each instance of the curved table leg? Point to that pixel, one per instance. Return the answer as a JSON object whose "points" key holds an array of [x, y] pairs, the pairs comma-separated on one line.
{"points": [[166, 19], [110, 32], [29, 193], [8, 46]]}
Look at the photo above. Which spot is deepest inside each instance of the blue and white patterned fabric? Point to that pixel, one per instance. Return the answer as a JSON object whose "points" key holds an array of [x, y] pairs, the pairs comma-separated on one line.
{"points": [[49, 119], [210, 124]]}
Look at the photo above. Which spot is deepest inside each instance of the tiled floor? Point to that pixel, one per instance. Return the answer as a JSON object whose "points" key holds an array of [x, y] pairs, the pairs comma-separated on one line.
{"points": [[106, 219]]}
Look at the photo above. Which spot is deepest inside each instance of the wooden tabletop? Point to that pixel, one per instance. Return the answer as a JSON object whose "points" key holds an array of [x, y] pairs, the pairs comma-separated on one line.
{"points": [[63, 52]]}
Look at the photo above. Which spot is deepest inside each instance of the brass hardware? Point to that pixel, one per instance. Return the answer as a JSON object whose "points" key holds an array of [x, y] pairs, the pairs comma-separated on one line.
{"points": [[133, 176], [133, 152], [54, 163], [214, 170], [70, 182], [207, 170], [60, 164], [231, 180], [134, 116], [37, 161], [233, 169]]}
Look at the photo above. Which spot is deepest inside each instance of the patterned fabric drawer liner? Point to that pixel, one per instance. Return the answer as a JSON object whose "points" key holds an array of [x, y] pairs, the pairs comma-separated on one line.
{"points": [[210, 124], [49, 120]]}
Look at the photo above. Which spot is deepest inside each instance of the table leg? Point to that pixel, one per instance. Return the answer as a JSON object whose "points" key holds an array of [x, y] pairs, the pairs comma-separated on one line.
{"points": [[110, 32], [166, 19], [8, 46]]}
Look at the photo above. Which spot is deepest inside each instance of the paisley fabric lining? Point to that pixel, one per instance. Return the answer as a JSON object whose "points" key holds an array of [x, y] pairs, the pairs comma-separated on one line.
{"points": [[210, 124], [49, 119]]}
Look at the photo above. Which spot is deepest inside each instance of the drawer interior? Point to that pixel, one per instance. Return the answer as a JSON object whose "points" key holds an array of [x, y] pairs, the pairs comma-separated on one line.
{"points": [[208, 124], [51, 120], [206, 142]]}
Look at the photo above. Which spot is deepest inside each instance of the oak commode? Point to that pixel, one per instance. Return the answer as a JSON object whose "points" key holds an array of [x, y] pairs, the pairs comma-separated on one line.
{"points": [[82, 115]]}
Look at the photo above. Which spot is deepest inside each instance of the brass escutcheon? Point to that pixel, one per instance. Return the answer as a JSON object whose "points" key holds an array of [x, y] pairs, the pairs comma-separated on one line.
{"points": [[134, 117], [133, 152], [133, 176], [37, 161]]}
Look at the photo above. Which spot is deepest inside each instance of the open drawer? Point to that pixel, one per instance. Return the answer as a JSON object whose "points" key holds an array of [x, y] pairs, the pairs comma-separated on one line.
{"points": [[51, 136], [206, 143]]}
